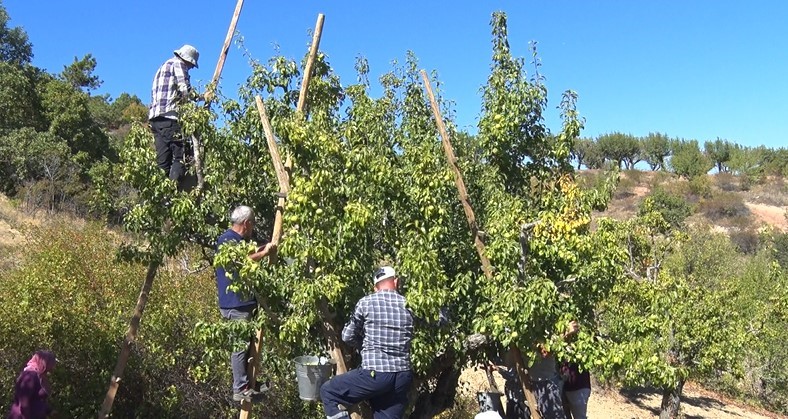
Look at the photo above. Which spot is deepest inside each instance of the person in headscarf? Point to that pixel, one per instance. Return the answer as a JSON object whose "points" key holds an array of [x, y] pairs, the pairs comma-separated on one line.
{"points": [[32, 388]]}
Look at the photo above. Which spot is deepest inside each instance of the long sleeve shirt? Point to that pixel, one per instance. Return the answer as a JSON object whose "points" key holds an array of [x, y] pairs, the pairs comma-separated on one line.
{"points": [[383, 325], [170, 86], [30, 398]]}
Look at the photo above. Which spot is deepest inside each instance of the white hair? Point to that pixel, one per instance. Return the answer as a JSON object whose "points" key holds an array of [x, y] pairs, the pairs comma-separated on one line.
{"points": [[241, 214]]}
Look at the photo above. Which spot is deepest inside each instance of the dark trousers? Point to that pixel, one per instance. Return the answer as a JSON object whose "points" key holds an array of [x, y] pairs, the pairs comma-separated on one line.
{"points": [[169, 146], [239, 360], [387, 392]]}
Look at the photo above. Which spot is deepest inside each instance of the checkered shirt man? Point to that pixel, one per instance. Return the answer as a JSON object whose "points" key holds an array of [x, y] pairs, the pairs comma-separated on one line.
{"points": [[384, 325]]}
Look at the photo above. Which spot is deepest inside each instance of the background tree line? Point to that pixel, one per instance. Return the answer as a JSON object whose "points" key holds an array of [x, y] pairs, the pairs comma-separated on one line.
{"points": [[53, 129], [686, 158]]}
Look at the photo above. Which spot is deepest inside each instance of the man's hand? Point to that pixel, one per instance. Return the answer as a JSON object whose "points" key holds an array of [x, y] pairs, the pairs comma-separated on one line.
{"points": [[208, 96], [572, 329], [262, 251]]}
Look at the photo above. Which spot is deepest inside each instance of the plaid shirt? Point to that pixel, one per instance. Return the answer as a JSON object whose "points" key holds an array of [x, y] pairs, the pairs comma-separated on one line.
{"points": [[170, 86], [386, 327]]}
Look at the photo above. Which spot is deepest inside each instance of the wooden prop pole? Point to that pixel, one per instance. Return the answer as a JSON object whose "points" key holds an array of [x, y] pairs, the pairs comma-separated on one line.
{"points": [[283, 180], [466, 205], [217, 73], [211, 91], [477, 239], [128, 341], [332, 334], [310, 61], [284, 187]]}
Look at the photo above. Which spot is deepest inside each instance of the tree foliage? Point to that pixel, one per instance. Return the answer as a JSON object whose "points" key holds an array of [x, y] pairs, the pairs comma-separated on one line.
{"points": [[655, 148], [719, 152], [15, 47], [79, 74], [687, 160], [679, 323], [620, 148]]}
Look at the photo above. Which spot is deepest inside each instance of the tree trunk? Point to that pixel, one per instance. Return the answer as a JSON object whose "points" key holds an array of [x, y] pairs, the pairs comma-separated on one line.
{"points": [[671, 401], [430, 404]]}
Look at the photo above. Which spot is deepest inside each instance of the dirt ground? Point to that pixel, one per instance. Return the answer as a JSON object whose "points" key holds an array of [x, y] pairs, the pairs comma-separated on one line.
{"points": [[640, 403], [770, 214]]}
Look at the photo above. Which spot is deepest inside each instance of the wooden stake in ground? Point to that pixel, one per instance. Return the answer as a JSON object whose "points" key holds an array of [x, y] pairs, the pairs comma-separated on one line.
{"points": [[525, 380], [284, 184], [131, 336], [211, 91], [328, 327], [284, 188], [153, 267], [310, 61], [466, 204]]}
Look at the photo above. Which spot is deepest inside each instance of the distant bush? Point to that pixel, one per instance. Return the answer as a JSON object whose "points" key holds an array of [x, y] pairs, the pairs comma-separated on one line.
{"points": [[660, 177], [634, 175], [700, 186], [724, 205], [726, 182], [673, 208], [781, 249], [746, 240]]}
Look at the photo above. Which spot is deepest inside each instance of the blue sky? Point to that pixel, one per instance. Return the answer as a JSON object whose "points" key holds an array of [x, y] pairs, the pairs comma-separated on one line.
{"points": [[696, 69]]}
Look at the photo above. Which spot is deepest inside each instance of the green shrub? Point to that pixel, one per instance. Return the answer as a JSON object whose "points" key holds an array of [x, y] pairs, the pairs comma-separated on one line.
{"points": [[71, 295], [700, 186], [673, 208], [724, 205]]}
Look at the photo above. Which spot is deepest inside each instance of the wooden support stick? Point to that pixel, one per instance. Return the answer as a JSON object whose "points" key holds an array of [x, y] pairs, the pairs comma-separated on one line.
{"points": [[211, 91], [217, 73], [466, 206], [310, 61], [284, 187], [273, 149], [128, 341]]}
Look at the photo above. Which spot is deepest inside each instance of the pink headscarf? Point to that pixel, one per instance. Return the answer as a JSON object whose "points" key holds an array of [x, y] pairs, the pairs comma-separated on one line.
{"points": [[41, 363]]}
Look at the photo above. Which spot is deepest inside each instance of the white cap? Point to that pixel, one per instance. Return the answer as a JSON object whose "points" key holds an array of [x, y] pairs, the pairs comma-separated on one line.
{"points": [[383, 273]]}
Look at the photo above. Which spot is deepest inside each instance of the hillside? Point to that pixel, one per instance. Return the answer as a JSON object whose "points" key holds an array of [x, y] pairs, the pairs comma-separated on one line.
{"points": [[744, 211], [722, 201]]}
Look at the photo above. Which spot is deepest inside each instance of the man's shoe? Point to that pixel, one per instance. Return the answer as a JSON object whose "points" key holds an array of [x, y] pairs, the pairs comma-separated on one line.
{"points": [[249, 395], [243, 396], [262, 386]]}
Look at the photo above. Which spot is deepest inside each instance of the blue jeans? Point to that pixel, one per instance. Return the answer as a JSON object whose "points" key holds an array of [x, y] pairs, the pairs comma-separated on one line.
{"points": [[239, 360], [387, 392]]}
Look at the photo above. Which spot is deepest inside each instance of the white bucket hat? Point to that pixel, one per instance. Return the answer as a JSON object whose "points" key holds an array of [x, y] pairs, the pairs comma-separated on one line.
{"points": [[189, 54], [382, 274]]}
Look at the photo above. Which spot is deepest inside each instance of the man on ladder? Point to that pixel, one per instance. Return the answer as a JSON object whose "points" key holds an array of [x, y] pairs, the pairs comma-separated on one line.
{"points": [[171, 87]]}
